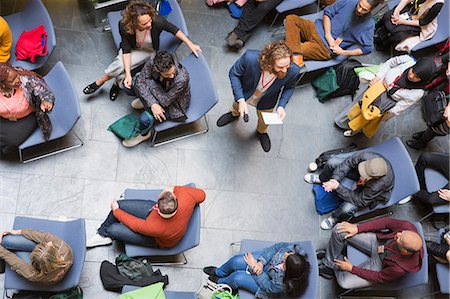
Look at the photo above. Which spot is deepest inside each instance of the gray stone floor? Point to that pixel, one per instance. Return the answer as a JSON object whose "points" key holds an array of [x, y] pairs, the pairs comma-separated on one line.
{"points": [[250, 194]]}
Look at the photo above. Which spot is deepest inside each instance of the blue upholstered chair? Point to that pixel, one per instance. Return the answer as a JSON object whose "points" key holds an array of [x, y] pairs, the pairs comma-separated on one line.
{"points": [[434, 181], [287, 5], [409, 280], [33, 15], [442, 32], [73, 232], [167, 41], [311, 291], [203, 98], [65, 113], [190, 239], [169, 294], [443, 273], [406, 182]]}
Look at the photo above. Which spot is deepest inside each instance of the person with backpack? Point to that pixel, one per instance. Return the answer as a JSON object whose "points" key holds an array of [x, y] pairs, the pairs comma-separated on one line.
{"points": [[6, 40], [282, 268], [408, 24]]}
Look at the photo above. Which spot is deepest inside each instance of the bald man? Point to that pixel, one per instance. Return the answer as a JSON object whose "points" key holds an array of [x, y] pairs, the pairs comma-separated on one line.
{"points": [[394, 248]]}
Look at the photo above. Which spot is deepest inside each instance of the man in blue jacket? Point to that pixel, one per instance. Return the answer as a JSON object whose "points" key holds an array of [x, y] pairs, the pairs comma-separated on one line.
{"points": [[259, 79], [346, 29]]}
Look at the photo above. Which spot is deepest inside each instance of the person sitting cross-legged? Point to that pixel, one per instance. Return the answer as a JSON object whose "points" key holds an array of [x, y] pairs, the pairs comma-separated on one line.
{"points": [[374, 183], [394, 248]]}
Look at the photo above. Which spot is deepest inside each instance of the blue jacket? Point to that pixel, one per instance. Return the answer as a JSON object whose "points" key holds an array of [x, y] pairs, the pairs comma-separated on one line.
{"points": [[354, 30], [244, 77], [270, 282]]}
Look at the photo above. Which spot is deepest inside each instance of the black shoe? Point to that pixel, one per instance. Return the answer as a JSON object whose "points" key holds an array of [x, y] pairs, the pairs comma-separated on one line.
{"points": [[226, 119], [211, 270], [114, 92], [91, 88], [320, 254], [326, 272], [265, 141], [214, 278], [436, 249], [418, 135], [2, 266], [415, 144]]}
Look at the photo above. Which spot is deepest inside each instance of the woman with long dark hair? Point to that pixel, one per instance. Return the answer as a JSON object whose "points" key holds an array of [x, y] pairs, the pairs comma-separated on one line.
{"points": [[282, 268]]}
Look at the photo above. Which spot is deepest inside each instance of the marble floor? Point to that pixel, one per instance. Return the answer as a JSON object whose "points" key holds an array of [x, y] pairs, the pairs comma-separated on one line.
{"points": [[250, 194]]}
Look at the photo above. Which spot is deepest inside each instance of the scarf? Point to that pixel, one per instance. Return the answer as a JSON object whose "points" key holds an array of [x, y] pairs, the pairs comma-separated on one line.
{"points": [[424, 69]]}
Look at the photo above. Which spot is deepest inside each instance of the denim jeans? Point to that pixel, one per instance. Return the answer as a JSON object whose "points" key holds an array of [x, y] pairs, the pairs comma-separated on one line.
{"points": [[18, 243], [116, 230], [233, 273]]}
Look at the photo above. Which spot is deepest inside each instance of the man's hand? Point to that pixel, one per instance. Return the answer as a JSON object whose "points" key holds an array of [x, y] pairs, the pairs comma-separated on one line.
{"points": [[281, 112], [337, 50], [158, 112], [46, 106], [375, 80], [114, 205], [444, 194], [243, 108], [346, 227], [331, 41], [195, 49], [344, 265], [330, 185], [127, 81]]}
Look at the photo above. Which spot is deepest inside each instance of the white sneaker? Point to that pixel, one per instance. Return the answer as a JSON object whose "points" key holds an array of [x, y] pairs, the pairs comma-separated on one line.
{"points": [[136, 139], [405, 200], [97, 240], [328, 223], [348, 133], [137, 104], [312, 178]]}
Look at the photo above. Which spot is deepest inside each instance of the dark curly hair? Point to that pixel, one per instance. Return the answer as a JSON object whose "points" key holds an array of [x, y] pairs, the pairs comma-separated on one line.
{"points": [[271, 52], [135, 9]]}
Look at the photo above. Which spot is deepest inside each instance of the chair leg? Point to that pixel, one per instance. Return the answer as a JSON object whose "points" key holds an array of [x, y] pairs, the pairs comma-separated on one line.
{"points": [[426, 216], [344, 293], [154, 144], [165, 262]]}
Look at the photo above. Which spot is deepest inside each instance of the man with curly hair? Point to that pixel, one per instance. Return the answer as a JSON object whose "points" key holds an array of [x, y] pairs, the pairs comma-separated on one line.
{"points": [[260, 78]]}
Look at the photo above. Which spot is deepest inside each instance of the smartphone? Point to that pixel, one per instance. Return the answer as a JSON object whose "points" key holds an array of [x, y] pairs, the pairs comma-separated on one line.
{"points": [[405, 16]]}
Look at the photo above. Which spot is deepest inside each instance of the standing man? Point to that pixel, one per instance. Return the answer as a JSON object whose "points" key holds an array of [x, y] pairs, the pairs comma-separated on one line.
{"points": [[259, 79]]}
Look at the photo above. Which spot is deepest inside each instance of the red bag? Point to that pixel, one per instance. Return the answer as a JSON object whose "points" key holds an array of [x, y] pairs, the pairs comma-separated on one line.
{"points": [[31, 44]]}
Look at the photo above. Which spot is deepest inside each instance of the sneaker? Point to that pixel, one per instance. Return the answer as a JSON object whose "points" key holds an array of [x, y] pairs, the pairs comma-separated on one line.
{"points": [[328, 223], [326, 272], [312, 178], [415, 144], [211, 270], [226, 119], [137, 104], [348, 133], [405, 200], [136, 139], [97, 240], [265, 141]]}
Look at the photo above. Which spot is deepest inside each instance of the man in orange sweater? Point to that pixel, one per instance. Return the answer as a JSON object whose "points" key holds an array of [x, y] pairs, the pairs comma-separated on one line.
{"points": [[150, 224]]}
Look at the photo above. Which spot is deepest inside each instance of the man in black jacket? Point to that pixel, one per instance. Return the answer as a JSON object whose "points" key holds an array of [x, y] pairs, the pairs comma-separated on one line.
{"points": [[374, 179]]}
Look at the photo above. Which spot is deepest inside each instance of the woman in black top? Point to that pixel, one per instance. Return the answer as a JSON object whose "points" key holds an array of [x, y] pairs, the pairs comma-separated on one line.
{"points": [[140, 29]]}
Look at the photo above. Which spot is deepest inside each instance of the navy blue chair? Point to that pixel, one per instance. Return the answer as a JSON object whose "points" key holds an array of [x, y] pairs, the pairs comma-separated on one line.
{"points": [[434, 181], [442, 32], [167, 41], [33, 15], [169, 294], [203, 98], [72, 232], [409, 280], [65, 113], [190, 239], [312, 290]]}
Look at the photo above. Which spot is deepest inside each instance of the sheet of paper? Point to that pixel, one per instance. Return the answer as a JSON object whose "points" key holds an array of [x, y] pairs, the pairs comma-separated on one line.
{"points": [[271, 118]]}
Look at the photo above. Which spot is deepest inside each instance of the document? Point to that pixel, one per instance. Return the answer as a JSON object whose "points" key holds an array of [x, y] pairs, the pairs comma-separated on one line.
{"points": [[271, 118]]}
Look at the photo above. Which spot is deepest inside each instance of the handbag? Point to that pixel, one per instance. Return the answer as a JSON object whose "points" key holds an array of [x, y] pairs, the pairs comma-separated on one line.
{"points": [[153, 291], [208, 290], [125, 127], [325, 201], [434, 104], [31, 44]]}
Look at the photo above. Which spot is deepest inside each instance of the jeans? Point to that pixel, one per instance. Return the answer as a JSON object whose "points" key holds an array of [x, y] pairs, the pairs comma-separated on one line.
{"points": [[116, 230], [18, 243], [435, 161], [146, 121], [366, 243], [233, 273]]}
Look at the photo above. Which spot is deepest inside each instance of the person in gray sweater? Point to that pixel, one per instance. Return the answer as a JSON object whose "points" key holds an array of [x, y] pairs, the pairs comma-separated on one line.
{"points": [[374, 181]]}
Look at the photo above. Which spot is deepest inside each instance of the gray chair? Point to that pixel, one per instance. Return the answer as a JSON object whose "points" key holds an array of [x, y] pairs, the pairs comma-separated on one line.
{"points": [[65, 113], [167, 41], [287, 5], [33, 15], [203, 98], [311, 291], [434, 181], [190, 239], [63, 230], [409, 280], [442, 33], [169, 294]]}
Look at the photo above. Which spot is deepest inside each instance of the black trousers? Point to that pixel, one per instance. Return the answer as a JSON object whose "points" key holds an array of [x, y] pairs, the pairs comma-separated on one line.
{"points": [[426, 137], [435, 161], [252, 15]]}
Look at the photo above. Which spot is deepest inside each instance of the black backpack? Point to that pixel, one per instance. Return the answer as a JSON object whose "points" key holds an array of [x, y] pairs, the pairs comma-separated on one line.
{"points": [[346, 78], [434, 104], [323, 158]]}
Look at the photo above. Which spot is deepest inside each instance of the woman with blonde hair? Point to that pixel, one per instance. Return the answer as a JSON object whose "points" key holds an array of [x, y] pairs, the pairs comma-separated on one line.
{"points": [[140, 29], [50, 259]]}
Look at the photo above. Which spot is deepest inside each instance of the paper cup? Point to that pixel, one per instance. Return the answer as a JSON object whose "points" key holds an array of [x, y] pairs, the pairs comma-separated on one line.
{"points": [[312, 167]]}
